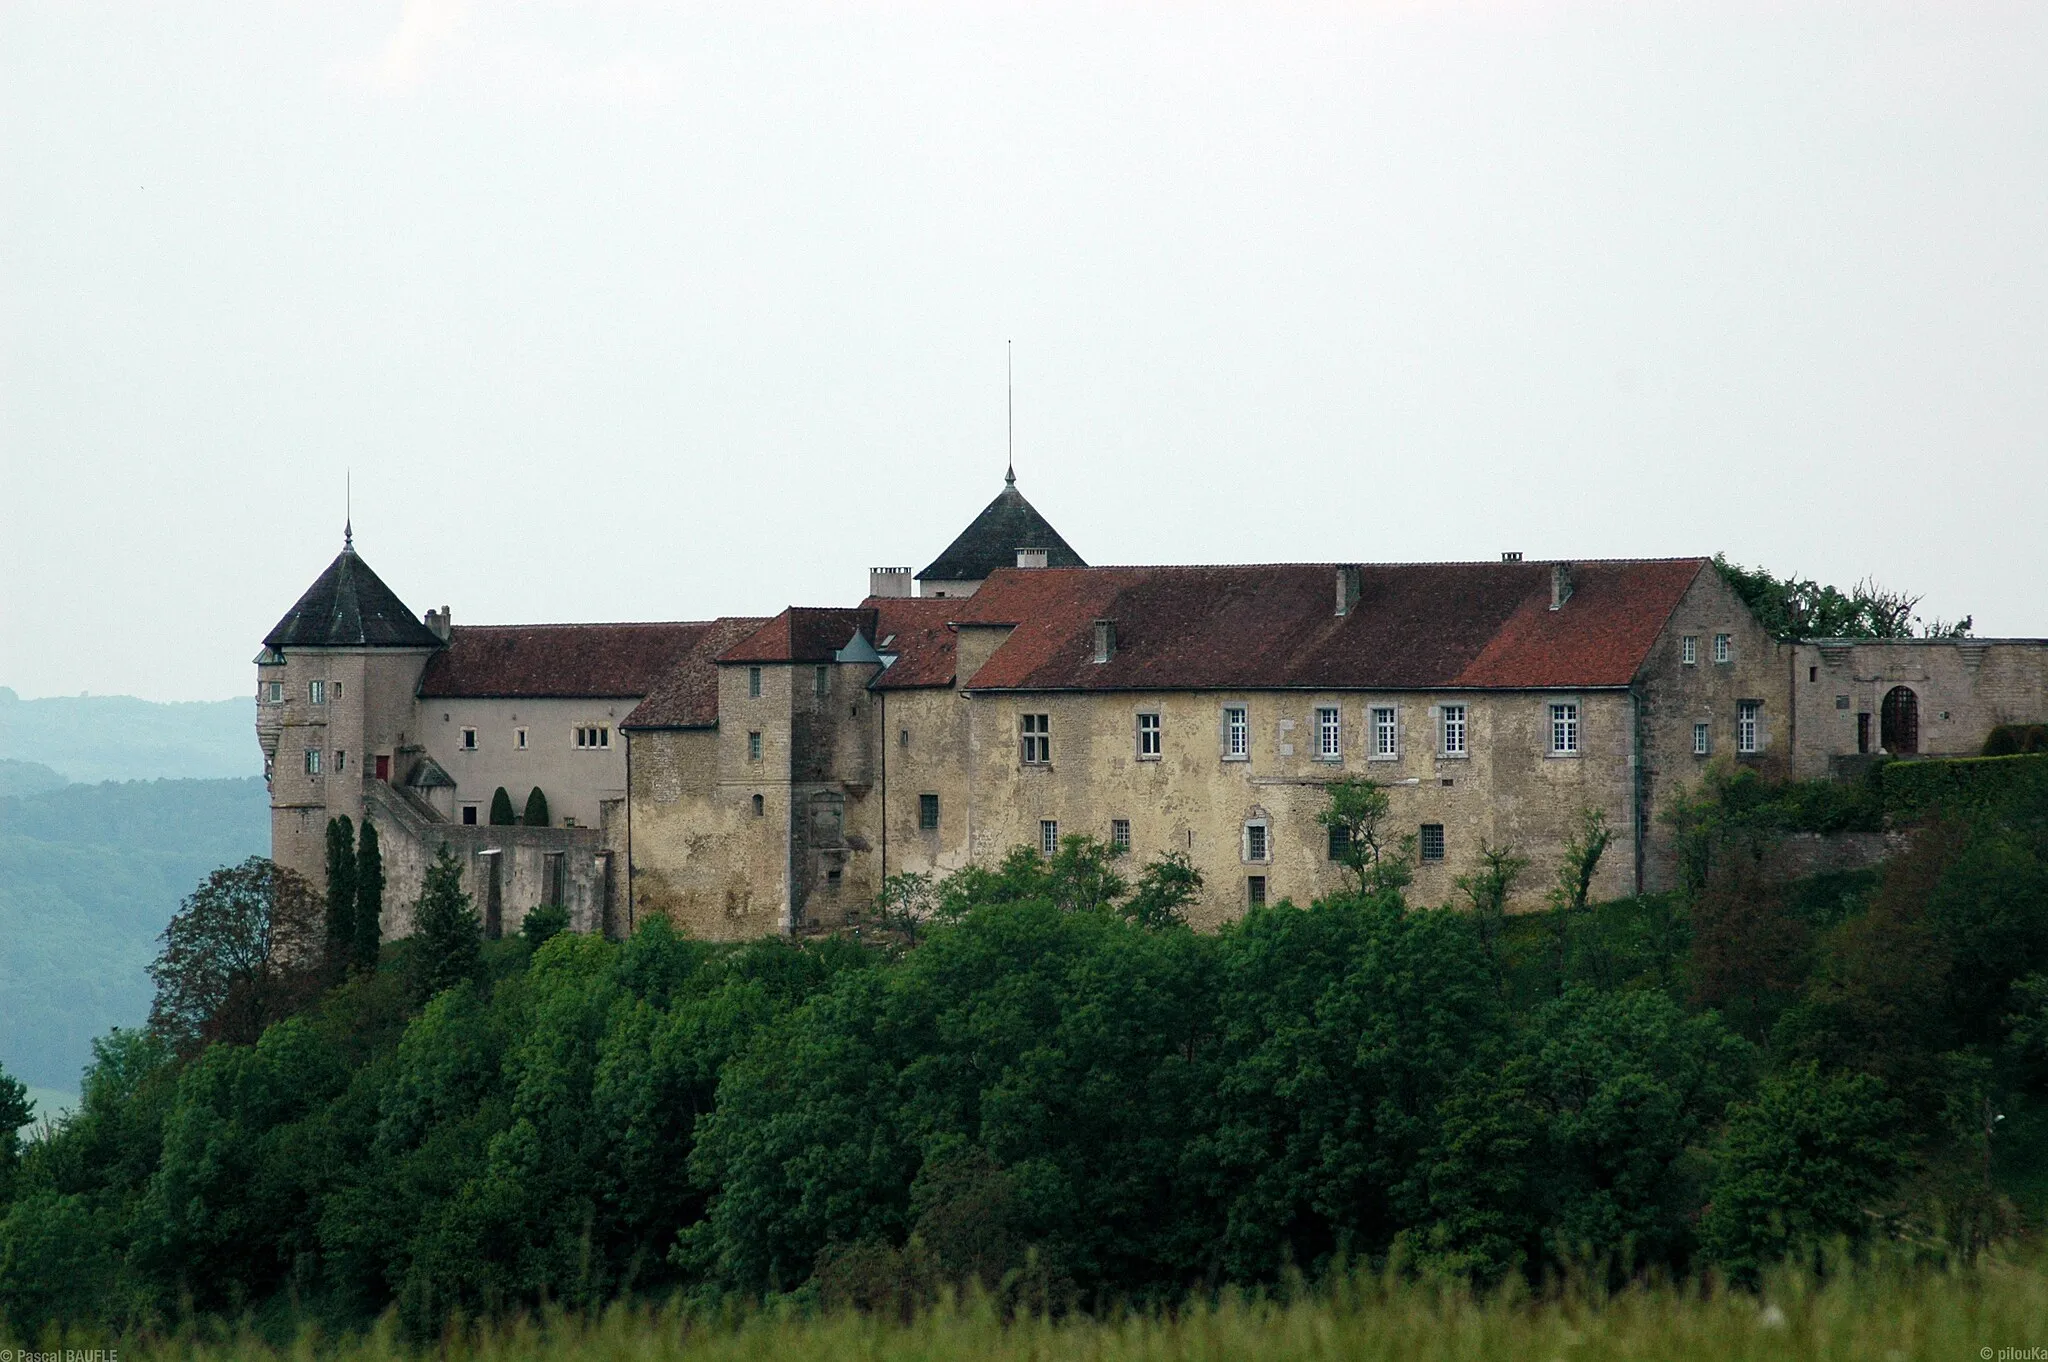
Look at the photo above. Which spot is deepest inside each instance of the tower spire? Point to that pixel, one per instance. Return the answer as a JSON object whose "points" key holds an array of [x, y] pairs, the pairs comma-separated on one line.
{"points": [[1010, 385], [348, 517]]}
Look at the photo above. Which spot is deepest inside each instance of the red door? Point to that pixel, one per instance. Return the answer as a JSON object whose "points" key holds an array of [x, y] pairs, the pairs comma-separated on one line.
{"points": [[384, 769]]}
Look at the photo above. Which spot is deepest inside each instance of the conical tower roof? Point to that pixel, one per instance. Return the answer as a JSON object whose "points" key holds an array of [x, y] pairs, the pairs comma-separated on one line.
{"points": [[1005, 525], [349, 606]]}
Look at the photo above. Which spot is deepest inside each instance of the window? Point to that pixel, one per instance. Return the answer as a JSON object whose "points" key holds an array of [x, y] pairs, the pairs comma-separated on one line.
{"points": [[903, 737], [1258, 844], [832, 877], [1148, 737], [1564, 730], [927, 813], [334, 690], [593, 736], [1329, 733], [469, 740], [1689, 650], [753, 746], [469, 815], [554, 888], [519, 739], [1812, 675], [821, 678], [316, 691], [312, 761], [753, 683], [1255, 890], [1386, 732], [1701, 742], [1453, 727], [1237, 733], [1724, 648], [1340, 842], [1748, 723], [1432, 841], [760, 807], [1048, 837], [1036, 730], [1120, 833], [275, 691], [340, 760]]}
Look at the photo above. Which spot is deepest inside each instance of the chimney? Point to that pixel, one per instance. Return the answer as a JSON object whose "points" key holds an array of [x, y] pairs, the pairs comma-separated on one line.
{"points": [[891, 582], [1560, 585], [1031, 558], [1105, 640], [440, 621], [1347, 588], [1511, 556]]}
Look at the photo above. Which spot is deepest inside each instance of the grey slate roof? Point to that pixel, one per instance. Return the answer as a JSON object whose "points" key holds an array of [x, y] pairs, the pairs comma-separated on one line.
{"points": [[1005, 525], [348, 606]]}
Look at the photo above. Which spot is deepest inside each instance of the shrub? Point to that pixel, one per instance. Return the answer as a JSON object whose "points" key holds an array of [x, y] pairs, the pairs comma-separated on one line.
{"points": [[536, 809], [544, 922], [2011, 740], [1962, 786], [501, 809]]}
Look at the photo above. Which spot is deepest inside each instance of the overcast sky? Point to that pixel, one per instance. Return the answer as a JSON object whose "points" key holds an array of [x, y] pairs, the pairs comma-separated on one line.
{"points": [[623, 311]]}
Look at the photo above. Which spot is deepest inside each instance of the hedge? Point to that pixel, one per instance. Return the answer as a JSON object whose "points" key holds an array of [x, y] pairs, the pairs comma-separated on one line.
{"points": [[1961, 785]]}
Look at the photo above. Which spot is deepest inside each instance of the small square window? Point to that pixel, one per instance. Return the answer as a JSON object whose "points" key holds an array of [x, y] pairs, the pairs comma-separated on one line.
{"points": [[1258, 843], [340, 760], [1453, 730], [1564, 730], [753, 683], [1340, 842], [1386, 732], [753, 747], [316, 691], [822, 679], [469, 815], [1432, 841], [1748, 725], [1237, 733], [334, 690], [928, 813], [1702, 741], [1149, 735], [312, 761], [469, 740], [519, 739], [1255, 890], [1036, 733], [1724, 648], [1329, 733], [1812, 675], [832, 877], [1120, 833], [1048, 837], [275, 690], [903, 737], [1689, 650]]}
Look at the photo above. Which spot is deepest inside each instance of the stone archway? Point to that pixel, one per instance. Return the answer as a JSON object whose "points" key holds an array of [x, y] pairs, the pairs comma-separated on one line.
{"points": [[1899, 722]]}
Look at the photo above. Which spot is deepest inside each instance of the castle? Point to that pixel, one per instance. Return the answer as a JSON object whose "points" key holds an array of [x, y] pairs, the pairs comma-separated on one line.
{"points": [[745, 776]]}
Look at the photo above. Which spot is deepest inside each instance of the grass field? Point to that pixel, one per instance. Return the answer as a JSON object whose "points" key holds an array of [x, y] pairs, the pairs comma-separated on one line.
{"points": [[1997, 1311]]}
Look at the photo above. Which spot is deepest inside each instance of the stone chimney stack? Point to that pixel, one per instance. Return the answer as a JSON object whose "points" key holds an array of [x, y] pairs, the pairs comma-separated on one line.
{"points": [[440, 621], [891, 582], [1560, 585], [1347, 588]]}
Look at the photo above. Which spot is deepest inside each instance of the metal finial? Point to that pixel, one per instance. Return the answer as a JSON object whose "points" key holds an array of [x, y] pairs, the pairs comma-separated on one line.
{"points": [[348, 517], [1010, 383]]}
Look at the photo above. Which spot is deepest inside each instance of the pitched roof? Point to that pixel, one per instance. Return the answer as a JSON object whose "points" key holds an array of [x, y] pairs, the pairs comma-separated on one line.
{"points": [[919, 634], [992, 539], [556, 661], [348, 606], [1416, 626], [687, 696], [804, 633]]}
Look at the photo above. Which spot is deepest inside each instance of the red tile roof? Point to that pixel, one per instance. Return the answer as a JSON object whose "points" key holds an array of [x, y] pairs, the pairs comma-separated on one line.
{"points": [[556, 661], [1416, 626], [687, 696], [804, 633], [919, 633]]}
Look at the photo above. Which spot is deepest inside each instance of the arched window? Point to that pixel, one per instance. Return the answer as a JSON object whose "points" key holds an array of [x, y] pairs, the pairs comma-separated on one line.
{"points": [[760, 806], [1899, 722]]}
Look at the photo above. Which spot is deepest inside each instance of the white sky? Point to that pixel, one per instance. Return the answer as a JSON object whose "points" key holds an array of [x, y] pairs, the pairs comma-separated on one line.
{"points": [[623, 311]]}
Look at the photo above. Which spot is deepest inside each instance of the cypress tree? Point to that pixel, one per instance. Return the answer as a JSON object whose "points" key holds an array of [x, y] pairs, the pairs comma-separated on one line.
{"points": [[369, 905], [448, 940], [536, 809], [501, 809], [341, 893]]}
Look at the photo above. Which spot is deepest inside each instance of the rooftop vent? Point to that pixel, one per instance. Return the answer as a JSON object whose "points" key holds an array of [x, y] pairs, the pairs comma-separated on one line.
{"points": [[1512, 556], [1560, 585], [889, 581], [1105, 640], [1347, 589], [1031, 558]]}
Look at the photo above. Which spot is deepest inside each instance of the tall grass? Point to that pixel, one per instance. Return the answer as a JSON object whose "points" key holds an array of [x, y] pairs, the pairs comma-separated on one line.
{"points": [[1873, 1314]]}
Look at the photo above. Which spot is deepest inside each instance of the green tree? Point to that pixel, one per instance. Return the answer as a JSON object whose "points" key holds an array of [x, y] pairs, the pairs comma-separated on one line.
{"points": [[1798, 607], [1486, 892], [368, 927], [447, 938], [1166, 889], [236, 956], [1584, 846], [1809, 1159], [15, 1110], [1356, 816], [341, 894], [501, 809], [536, 809], [543, 922]]}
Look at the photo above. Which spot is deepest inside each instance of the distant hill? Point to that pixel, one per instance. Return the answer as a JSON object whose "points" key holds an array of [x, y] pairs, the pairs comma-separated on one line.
{"points": [[90, 874], [118, 737]]}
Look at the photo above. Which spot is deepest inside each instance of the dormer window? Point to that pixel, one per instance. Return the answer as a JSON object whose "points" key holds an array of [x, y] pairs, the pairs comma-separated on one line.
{"points": [[1105, 640]]}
